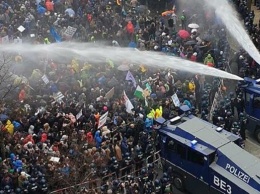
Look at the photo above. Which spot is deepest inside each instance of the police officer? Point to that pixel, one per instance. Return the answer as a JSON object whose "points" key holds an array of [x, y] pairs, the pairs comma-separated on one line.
{"points": [[25, 186], [139, 156], [127, 164], [144, 137], [8, 189], [148, 187], [228, 121], [242, 124], [104, 189], [43, 187], [164, 181], [104, 171], [239, 103], [149, 152], [33, 186], [157, 187], [143, 176], [93, 176], [170, 173], [114, 166], [115, 185], [150, 171], [232, 102]]}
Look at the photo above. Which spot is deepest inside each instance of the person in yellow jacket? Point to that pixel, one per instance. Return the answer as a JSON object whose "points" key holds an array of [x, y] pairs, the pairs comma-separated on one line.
{"points": [[155, 113], [191, 86], [9, 127], [75, 65], [46, 41]]}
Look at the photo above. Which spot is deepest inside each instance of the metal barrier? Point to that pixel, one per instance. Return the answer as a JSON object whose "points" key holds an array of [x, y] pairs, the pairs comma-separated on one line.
{"points": [[217, 98], [156, 161]]}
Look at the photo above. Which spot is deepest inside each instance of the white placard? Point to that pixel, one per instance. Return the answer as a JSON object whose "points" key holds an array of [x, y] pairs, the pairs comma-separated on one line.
{"points": [[21, 28], [54, 159], [45, 79], [176, 100], [58, 97], [79, 114], [70, 31], [102, 120]]}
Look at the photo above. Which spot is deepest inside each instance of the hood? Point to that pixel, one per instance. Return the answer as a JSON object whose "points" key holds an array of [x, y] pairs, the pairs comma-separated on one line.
{"points": [[8, 122], [97, 134], [12, 156]]}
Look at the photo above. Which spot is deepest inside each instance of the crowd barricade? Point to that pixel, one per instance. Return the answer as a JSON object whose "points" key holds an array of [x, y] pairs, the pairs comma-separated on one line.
{"points": [[81, 186], [218, 96]]}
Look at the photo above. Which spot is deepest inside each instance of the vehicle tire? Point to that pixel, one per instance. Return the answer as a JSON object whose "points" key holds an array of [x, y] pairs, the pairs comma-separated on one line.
{"points": [[257, 135], [178, 182]]}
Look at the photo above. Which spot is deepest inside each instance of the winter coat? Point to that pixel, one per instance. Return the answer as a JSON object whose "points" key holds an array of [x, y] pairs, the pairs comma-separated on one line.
{"points": [[22, 95], [9, 127], [90, 138], [98, 139], [124, 146], [44, 137]]}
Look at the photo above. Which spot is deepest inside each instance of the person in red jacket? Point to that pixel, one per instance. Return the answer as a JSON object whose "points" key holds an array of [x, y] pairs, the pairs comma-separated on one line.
{"points": [[194, 57], [130, 28], [90, 138], [22, 95], [44, 137]]}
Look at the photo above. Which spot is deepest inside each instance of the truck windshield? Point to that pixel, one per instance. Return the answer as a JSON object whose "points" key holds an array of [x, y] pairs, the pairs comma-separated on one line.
{"points": [[256, 102]]}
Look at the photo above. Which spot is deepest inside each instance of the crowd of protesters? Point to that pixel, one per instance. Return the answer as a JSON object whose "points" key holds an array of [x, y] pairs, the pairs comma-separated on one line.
{"points": [[50, 144]]}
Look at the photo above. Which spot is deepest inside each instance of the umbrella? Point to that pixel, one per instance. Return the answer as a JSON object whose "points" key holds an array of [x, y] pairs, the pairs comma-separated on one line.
{"points": [[123, 68], [184, 34], [70, 12], [3, 117], [190, 42], [193, 25]]}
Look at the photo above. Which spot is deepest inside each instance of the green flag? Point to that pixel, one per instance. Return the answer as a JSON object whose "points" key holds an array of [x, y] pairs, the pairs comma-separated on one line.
{"points": [[148, 87], [139, 93]]}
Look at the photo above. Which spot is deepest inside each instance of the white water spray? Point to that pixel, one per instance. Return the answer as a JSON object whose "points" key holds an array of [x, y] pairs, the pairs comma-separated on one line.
{"points": [[99, 53], [229, 17]]}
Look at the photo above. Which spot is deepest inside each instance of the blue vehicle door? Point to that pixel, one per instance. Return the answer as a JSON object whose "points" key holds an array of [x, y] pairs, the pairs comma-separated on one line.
{"points": [[197, 164], [248, 103], [256, 106]]}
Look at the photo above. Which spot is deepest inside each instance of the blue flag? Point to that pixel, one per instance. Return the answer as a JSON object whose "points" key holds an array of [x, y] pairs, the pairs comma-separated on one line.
{"points": [[130, 77], [55, 35]]}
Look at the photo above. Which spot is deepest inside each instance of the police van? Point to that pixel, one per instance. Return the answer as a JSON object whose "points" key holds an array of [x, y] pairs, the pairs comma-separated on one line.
{"points": [[206, 158], [251, 94]]}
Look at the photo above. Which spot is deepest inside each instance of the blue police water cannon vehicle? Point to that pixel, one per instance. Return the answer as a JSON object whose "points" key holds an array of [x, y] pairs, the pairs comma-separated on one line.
{"points": [[206, 158], [251, 97]]}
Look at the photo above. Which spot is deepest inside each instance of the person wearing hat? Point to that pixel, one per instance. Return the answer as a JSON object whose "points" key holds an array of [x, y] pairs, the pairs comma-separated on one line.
{"points": [[194, 57]]}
